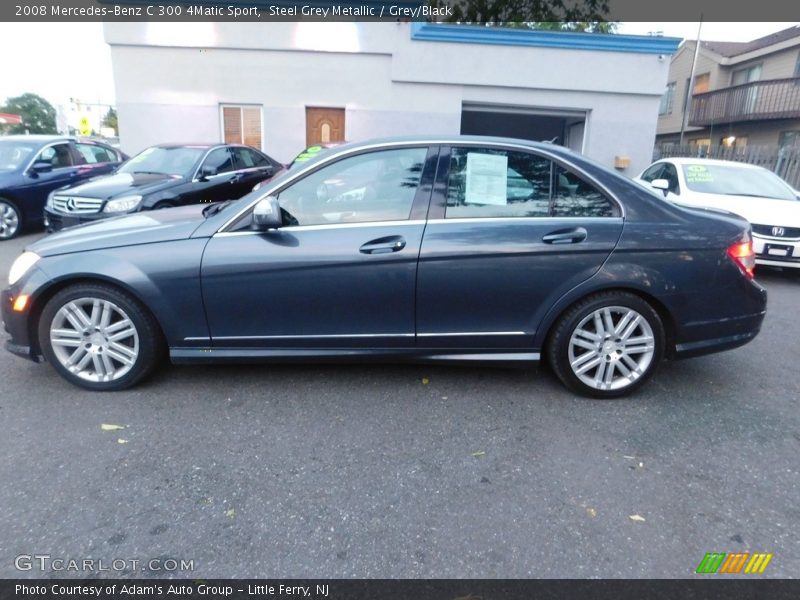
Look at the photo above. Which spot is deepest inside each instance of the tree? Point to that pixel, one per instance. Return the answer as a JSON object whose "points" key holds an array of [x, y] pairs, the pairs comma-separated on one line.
{"points": [[558, 15], [38, 115], [110, 120]]}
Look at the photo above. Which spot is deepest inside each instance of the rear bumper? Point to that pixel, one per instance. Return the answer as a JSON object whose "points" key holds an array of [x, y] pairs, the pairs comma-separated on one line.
{"points": [[735, 332]]}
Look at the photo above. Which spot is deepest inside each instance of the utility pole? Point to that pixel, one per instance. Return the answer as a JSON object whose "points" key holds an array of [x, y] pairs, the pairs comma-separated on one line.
{"points": [[689, 87]]}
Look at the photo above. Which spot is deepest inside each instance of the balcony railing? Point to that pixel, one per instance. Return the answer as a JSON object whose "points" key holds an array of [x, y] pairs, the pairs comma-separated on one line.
{"points": [[772, 99]]}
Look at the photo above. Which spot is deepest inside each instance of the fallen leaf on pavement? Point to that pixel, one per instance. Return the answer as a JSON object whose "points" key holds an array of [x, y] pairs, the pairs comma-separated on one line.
{"points": [[636, 518], [425, 381], [592, 512], [121, 441], [478, 454], [230, 513], [107, 427]]}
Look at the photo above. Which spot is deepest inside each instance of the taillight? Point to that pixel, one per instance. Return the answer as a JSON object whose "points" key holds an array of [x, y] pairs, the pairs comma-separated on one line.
{"points": [[743, 255]]}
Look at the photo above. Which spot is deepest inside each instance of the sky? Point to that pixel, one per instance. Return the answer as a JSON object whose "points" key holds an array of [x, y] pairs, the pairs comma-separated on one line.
{"points": [[83, 69]]}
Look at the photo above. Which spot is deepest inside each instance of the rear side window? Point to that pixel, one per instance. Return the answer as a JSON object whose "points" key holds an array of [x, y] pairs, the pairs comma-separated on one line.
{"points": [[488, 182], [91, 154], [244, 158]]}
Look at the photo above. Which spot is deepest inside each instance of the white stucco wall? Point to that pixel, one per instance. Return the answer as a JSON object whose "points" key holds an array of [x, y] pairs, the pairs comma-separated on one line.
{"points": [[171, 79]]}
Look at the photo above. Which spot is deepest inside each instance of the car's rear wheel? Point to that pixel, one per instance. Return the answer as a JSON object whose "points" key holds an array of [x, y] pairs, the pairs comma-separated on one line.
{"points": [[10, 220], [98, 337], [607, 345]]}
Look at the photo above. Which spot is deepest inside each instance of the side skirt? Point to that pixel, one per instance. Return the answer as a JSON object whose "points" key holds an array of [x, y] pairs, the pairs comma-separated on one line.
{"points": [[288, 355]]}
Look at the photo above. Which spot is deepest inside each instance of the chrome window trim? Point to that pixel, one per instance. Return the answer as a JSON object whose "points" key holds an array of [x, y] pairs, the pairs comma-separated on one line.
{"points": [[470, 333], [343, 153], [312, 337], [463, 220], [326, 226], [233, 161]]}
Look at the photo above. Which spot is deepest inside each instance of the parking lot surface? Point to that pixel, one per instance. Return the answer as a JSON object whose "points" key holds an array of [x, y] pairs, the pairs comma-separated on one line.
{"points": [[408, 470]]}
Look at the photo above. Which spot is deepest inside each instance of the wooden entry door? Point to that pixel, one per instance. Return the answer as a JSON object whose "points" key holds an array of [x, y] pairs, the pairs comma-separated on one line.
{"points": [[324, 125]]}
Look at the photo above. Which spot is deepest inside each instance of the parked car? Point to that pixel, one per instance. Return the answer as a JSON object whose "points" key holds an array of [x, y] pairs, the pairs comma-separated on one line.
{"points": [[432, 260], [306, 155], [162, 177], [758, 195], [31, 166]]}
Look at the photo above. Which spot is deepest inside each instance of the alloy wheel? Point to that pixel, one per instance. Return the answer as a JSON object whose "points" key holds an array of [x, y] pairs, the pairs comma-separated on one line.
{"points": [[94, 339], [611, 348], [9, 221]]}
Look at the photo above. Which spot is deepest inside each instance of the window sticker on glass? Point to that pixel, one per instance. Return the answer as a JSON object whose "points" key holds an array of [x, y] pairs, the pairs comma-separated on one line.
{"points": [[698, 174], [486, 179]]}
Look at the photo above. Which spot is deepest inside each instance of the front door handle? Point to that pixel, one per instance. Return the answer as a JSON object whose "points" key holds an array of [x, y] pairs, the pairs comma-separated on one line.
{"points": [[237, 178], [565, 236], [393, 243]]}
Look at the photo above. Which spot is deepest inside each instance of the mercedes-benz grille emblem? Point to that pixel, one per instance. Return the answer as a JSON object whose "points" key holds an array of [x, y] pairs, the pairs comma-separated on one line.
{"points": [[778, 231], [71, 206]]}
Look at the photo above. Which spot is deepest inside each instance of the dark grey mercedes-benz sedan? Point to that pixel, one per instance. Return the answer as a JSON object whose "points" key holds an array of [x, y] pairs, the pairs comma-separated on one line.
{"points": [[450, 249]]}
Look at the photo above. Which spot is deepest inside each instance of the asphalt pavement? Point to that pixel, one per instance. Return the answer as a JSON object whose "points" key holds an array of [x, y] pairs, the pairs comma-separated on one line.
{"points": [[406, 471]]}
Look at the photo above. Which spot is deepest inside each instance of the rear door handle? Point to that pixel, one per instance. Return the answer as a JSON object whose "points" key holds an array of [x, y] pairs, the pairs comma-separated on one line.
{"points": [[565, 236], [393, 243]]}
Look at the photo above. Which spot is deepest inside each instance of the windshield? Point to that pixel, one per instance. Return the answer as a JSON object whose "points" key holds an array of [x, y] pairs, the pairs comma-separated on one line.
{"points": [[736, 181], [15, 154], [164, 161]]}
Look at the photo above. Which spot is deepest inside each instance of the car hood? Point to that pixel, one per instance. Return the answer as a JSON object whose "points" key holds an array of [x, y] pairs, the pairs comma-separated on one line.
{"points": [[138, 228], [763, 211], [122, 184]]}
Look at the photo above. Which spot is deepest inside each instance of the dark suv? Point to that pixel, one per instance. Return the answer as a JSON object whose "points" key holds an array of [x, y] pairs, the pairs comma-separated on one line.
{"points": [[32, 166]]}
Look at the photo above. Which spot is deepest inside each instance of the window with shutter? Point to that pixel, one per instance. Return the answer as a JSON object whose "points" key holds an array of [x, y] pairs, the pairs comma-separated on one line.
{"points": [[242, 125]]}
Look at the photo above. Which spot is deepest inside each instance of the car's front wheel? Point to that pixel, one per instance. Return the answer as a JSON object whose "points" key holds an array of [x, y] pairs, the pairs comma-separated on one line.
{"points": [[98, 337], [10, 220], [607, 345]]}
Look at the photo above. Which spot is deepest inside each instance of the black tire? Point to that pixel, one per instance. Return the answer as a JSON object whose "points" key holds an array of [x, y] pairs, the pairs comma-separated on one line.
{"points": [[560, 341], [149, 340], [9, 213]]}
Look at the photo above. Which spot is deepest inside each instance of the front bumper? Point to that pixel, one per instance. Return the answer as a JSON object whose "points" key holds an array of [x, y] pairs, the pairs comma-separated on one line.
{"points": [[56, 221], [777, 252], [18, 325]]}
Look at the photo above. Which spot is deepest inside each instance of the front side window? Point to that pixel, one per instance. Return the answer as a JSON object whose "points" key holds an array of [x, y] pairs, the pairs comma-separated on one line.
{"points": [[378, 186], [57, 155], [653, 172], [485, 182], [218, 161]]}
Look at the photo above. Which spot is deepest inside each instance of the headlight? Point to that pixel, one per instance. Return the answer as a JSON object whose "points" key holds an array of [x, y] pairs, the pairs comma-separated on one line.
{"points": [[123, 204], [21, 266]]}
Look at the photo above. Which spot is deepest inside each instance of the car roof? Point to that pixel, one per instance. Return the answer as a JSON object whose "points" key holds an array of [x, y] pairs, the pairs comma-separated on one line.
{"points": [[688, 160], [40, 139], [204, 146]]}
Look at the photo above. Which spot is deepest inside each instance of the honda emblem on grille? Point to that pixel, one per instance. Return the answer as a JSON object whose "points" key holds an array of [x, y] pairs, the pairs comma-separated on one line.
{"points": [[778, 231], [71, 206]]}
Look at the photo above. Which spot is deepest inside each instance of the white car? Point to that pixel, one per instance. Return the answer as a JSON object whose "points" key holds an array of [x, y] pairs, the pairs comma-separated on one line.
{"points": [[758, 195]]}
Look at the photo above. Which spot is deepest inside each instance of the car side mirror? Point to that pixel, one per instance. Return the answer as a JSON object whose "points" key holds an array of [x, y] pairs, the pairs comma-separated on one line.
{"points": [[206, 172], [42, 166], [660, 184], [267, 214]]}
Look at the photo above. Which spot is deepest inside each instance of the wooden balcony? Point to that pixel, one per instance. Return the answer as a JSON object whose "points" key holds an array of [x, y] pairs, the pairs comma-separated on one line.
{"points": [[756, 101]]}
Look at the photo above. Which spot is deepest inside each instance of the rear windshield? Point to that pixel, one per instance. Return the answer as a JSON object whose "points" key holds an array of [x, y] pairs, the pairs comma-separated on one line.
{"points": [[736, 181]]}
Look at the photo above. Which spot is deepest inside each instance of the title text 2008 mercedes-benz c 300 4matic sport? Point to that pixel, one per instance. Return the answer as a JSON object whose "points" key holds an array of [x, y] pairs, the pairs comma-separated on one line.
{"points": [[448, 249]]}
